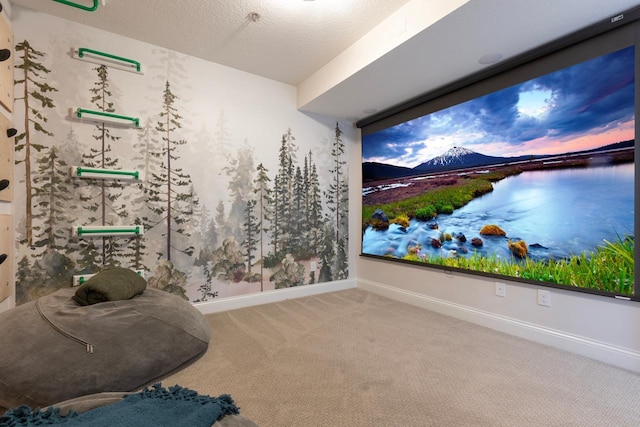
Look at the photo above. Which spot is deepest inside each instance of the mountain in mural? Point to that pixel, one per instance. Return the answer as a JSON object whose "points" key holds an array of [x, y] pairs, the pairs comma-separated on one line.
{"points": [[454, 158], [463, 158], [458, 158]]}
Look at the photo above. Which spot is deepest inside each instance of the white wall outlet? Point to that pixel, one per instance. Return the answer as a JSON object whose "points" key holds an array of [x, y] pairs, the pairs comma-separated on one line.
{"points": [[501, 289], [544, 298]]}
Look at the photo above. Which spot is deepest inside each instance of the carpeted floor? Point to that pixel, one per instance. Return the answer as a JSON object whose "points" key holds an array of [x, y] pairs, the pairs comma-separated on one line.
{"points": [[353, 358]]}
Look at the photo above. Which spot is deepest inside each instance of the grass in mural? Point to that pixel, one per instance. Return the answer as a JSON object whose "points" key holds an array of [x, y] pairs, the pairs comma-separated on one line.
{"points": [[608, 268], [440, 201]]}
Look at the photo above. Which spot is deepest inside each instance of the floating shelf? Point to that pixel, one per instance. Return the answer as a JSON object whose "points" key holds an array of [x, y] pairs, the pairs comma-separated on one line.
{"points": [[97, 173], [104, 117], [79, 279], [102, 58], [108, 230]]}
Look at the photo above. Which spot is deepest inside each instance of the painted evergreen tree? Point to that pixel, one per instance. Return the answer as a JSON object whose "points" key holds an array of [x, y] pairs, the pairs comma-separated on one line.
{"points": [[89, 258], [264, 209], [52, 196], [337, 202], [306, 220], [327, 254], [30, 281], [170, 189], [298, 220], [35, 89], [136, 249], [314, 200], [208, 235], [101, 197], [336, 196], [281, 227], [251, 228], [143, 161]]}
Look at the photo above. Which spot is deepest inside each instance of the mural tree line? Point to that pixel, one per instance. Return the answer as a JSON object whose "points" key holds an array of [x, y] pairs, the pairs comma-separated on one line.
{"points": [[268, 226]]}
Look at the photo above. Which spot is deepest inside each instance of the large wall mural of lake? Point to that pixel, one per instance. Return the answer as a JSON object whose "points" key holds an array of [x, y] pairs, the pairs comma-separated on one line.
{"points": [[534, 182]]}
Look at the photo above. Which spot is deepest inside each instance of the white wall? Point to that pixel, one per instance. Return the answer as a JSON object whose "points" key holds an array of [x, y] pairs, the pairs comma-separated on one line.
{"points": [[222, 111]]}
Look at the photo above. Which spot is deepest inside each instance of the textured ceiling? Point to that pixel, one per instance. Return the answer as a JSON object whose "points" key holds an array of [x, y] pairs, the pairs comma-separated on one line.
{"points": [[290, 40], [295, 41]]}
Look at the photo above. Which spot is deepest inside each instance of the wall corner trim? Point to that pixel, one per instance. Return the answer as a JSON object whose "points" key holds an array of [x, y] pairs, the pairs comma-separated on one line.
{"points": [[603, 352], [277, 295]]}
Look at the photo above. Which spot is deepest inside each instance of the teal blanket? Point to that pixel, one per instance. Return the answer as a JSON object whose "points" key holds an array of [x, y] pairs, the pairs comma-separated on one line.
{"points": [[155, 406]]}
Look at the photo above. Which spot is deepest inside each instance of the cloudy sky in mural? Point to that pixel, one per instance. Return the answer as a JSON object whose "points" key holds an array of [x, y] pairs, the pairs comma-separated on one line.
{"points": [[580, 107]]}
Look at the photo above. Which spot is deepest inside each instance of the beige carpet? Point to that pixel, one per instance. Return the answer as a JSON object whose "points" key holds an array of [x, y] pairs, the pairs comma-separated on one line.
{"points": [[353, 358]]}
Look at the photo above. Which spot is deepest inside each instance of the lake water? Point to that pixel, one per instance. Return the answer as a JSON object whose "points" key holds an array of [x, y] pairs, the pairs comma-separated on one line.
{"points": [[564, 211]]}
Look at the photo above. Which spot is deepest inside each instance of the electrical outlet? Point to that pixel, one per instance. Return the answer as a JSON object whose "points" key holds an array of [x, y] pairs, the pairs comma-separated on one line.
{"points": [[501, 289], [544, 298]]}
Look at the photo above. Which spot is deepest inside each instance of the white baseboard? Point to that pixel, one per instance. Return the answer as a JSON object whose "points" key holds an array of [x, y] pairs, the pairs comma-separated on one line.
{"points": [[604, 352], [242, 301]]}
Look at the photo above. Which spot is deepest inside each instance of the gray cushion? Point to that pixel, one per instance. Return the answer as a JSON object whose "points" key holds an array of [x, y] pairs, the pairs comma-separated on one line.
{"points": [[53, 349]]}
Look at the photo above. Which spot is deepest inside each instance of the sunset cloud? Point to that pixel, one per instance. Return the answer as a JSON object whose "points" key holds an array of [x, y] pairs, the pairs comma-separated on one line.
{"points": [[567, 110]]}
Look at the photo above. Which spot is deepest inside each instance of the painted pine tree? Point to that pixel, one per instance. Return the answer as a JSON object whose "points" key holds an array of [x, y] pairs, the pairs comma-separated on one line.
{"points": [[51, 195], [209, 236], [251, 228], [337, 202], [35, 90], [101, 197], [170, 189], [327, 254], [143, 161], [298, 220], [306, 220], [314, 200], [281, 226], [263, 192]]}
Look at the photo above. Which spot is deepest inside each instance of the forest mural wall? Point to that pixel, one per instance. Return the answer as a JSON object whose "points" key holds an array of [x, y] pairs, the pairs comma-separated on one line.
{"points": [[238, 191]]}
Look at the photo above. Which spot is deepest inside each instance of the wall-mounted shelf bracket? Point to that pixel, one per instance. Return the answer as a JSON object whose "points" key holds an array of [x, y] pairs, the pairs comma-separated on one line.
{"points": [[116, 119], [97, 173], [110, 60], [79, 279], [108, 230], [80, 6]]}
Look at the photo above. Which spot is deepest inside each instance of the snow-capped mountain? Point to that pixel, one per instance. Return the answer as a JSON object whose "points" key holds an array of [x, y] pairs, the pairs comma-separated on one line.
{"points": [[456, 158]]}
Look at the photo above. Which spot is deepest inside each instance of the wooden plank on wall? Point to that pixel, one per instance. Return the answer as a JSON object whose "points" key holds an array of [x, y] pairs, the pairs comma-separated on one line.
{"points": [[6, 255], [6, 66], [6, 160]]}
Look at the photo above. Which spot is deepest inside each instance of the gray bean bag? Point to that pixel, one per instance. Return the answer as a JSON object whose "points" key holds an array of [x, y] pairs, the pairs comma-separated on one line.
{"points": [[53, 349]]}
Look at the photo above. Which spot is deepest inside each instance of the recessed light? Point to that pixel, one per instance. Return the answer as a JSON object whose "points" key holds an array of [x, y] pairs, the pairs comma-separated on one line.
{"points": [[490, 58]]}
